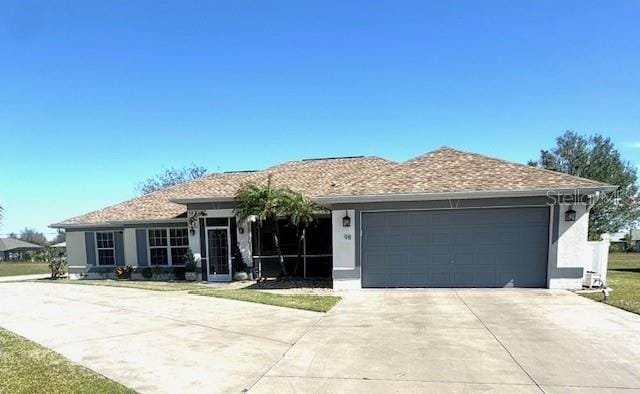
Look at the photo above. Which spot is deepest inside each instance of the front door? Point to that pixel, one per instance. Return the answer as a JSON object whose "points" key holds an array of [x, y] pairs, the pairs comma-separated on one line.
{"points": [[219, 260]]}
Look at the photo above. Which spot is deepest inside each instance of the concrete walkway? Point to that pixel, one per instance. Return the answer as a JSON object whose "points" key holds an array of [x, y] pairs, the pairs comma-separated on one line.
{"points": [[20, 278], [373, 341]]}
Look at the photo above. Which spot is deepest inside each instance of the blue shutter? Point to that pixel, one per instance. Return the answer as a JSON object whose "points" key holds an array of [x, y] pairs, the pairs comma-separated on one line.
{"points": [[141, 247], [90, 245], [118, 243]]}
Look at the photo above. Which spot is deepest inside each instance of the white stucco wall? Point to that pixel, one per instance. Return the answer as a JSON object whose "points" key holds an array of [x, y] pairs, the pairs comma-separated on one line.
{"points": [[244, 241], [344, 241], [572, 249], [130, 247], [76, 254]]}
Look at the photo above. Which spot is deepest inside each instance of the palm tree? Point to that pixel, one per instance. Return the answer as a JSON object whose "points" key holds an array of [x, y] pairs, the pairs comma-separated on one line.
{"points": [[0, 213], [300, 210], [265, 203]]}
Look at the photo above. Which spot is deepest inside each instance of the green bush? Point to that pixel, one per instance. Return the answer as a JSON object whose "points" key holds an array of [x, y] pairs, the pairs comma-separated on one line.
{"points": [[146, 273]]}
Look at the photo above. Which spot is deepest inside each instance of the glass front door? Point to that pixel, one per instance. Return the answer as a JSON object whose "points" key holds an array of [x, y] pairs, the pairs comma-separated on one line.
{"points": [[219, 257]]}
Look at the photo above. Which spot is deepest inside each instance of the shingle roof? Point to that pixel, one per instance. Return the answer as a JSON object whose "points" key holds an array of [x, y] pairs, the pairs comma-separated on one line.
{"points": [[442, 170], [9, 244]]}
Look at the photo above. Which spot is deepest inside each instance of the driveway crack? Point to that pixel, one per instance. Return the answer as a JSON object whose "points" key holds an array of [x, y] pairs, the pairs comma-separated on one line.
{"points": [[314, 325], [500, 342]]}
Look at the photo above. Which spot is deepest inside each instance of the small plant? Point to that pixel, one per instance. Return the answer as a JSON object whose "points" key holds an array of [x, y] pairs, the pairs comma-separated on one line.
{"points": [[190, 261], [157, 271], [124, 272], [238, 260], [146, 273], [190, 266], [56, 263]]}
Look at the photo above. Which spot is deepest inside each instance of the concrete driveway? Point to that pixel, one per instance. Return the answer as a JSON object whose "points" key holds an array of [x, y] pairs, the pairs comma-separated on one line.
{"points": [[373, 341]]}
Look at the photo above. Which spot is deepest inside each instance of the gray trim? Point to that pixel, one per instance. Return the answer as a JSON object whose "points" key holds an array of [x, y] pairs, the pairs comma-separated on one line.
{"points": [[198, 200], [180, 224], [397, 197], [141, 247], [90, 247], [211, 205], [346, 274], [118, 244], [97, 228]]}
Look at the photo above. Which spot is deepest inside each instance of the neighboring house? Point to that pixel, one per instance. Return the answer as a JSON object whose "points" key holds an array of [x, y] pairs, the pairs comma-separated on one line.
{"points": [[444, 219], [621, 241], [635, 240], [14, 249]]}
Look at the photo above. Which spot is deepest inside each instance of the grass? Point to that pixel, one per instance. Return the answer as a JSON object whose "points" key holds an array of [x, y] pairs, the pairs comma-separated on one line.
{"points": [[298, 301], [623, 277], [21, 268], [26, 367]]}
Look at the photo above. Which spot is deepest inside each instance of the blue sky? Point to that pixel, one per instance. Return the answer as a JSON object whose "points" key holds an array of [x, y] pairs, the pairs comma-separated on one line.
{"points": [[96, 96]]}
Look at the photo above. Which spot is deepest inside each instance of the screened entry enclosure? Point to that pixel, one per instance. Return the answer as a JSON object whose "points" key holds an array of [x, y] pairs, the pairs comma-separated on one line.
{"points": [[316, 260]]}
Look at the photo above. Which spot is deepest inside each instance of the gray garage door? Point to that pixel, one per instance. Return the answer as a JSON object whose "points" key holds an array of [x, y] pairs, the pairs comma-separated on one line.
{"points": [[502, 247]]}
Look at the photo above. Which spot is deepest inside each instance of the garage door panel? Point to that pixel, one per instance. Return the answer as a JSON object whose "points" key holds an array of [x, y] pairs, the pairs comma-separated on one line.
{"points": [[455, 248]]}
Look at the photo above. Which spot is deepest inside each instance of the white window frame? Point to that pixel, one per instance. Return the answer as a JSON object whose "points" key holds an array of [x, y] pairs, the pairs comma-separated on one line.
{"points": [[98, 249], [168, 247]]}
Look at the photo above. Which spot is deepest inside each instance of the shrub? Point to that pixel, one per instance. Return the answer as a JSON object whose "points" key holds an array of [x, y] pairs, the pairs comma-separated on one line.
{"points": [[157, 271], [179, 273], [55, 261], [146, 272], [190, 261], [238, 261], [124, 272]]}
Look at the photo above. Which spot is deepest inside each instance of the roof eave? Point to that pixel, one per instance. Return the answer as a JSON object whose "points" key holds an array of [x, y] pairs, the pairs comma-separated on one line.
{"points": [[118, 223], [186, 200], [338, 199]]}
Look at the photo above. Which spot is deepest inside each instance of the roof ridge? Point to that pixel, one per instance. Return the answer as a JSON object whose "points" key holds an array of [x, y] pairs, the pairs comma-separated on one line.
{"points": [[483, 156]]}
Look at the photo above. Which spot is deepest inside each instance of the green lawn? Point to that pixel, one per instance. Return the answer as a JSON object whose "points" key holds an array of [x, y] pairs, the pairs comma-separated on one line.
{"points": [[297, 301], [12, 269], [624, 278], [26, 367]]}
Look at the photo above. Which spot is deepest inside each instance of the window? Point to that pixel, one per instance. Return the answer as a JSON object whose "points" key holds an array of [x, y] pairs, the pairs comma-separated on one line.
{"points": [[168, 246], [106, 248], [179, 240]]}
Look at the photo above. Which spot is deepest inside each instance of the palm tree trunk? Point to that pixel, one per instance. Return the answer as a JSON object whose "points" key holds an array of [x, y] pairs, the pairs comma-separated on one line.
{"points": [[276, 243]]}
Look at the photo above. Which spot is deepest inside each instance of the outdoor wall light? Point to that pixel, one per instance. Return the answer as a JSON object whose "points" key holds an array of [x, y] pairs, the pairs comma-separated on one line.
{"points": [[570, 215], [346, 220]]}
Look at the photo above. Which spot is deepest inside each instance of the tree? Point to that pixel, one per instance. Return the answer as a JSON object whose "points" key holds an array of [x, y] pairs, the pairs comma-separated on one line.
{"points": [[60, 237], [596, 158], [1, 213], [32, 236], [300, 210], [265, 203], [171, 177]]}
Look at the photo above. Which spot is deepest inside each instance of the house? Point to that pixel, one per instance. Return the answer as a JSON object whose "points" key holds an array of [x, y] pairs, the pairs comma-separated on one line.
{"points": [[625, 241], [447, 218], [14, 249]]}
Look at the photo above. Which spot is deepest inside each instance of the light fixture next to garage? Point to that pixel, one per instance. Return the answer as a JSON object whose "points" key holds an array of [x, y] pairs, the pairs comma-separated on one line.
{"points": [[570, 214], [346, 220]]}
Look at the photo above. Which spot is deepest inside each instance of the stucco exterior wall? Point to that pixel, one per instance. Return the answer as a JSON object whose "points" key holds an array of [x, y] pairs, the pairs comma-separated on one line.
{"points": [[76, 254], [344, 251], [572, 251]]}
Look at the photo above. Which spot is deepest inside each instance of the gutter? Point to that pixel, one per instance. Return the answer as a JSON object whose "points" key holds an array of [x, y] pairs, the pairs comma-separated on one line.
{"points": [[589, 190]]}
